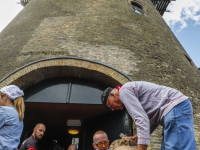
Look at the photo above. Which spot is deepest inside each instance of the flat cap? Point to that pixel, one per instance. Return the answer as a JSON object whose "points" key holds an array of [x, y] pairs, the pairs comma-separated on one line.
{"points": [[105, 95]]}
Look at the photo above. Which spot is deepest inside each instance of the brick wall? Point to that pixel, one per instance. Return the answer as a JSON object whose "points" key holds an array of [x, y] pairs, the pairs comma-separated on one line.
{"points": [[109, 32]]}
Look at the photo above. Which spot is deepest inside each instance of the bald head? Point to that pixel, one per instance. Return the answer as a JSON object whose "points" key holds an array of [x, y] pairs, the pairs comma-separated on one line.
{"points": [[72, 147], [39, 131], [39, 125], [97, 134]]}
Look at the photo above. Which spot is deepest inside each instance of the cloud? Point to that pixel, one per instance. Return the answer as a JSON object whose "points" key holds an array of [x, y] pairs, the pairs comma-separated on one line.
{"points": [[182, 12]]}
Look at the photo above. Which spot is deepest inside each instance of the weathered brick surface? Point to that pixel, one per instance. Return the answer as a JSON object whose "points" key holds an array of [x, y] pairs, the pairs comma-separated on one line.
{"points": [[105, 31]]}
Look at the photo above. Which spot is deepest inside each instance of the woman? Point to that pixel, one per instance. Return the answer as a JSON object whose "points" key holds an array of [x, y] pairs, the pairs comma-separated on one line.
{"points": [[11, 117]]}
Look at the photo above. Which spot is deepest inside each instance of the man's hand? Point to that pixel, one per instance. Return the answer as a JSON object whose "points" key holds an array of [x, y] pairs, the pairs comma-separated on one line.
{"points": [[134, 138], [142, 147]]}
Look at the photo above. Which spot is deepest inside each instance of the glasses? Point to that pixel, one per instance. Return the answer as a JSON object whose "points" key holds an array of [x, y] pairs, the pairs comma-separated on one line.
{"points": [[106, 143]]}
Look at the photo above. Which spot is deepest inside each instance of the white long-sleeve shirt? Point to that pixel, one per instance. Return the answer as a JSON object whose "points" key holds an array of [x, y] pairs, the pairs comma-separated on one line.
{"points": [[147, 103]]}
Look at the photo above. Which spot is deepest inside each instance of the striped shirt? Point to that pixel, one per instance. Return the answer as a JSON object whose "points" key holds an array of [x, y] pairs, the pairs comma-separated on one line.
{"points": [[147, 104]]}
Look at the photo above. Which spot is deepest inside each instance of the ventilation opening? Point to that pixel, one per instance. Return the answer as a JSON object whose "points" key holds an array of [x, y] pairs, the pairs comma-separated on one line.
{"points": [[138, 8]]}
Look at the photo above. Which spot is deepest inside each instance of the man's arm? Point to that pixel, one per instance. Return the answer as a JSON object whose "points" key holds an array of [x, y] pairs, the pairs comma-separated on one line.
{"points": [[140, 146], [137, 113], [134, 138], [30, 145], [31, 148]]}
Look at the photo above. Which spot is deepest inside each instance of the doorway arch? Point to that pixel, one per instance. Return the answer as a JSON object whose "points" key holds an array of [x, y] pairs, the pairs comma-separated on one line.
{"points": [[39, 70], [67, 88]]}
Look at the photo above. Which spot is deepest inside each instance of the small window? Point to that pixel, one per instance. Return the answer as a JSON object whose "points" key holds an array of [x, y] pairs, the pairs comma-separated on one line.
{"points": [[138, 8]]}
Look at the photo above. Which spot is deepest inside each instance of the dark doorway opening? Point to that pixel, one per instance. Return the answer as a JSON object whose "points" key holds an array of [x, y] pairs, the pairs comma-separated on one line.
{"points": [[55, 101]]}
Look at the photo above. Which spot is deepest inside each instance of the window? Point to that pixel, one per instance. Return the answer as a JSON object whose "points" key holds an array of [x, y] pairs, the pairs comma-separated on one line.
{"points": [[138, 8]]}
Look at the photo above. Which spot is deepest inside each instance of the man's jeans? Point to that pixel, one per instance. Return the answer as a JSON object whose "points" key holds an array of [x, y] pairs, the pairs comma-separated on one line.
{"points": [[178, 128]]}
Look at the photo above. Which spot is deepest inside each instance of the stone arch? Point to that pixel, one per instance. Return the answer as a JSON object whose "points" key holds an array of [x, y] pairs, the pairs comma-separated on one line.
{"points": [[39, 70]]}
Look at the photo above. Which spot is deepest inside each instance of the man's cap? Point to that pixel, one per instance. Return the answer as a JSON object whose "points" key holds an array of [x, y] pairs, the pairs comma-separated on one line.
{"points": [[12, 91], [105, 95]]}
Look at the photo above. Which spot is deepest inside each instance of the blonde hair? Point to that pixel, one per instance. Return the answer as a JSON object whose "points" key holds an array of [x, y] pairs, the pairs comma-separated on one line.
{"points": [[19, 105]]}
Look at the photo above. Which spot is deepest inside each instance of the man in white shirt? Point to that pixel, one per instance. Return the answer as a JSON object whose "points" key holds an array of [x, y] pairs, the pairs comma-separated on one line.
{"points": [[151, 105]]}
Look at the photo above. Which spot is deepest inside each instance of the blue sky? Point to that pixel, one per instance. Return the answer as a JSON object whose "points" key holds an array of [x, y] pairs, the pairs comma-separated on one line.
{"points": [[183, 19], [190, 40]]}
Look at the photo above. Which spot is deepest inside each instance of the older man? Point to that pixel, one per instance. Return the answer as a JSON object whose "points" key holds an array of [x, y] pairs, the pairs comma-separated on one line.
{"points": [[100, 140], [151, 105], [31, 142]]}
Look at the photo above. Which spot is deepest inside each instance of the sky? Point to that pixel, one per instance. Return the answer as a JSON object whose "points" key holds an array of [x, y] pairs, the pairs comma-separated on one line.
{"points": [[183, 19]]}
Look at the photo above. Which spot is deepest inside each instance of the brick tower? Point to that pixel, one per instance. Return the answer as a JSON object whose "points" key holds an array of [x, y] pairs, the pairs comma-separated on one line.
{"points": [[109, 41]]}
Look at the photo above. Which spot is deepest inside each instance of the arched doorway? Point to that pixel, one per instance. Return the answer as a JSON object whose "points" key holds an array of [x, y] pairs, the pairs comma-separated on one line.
{"points": [[59, 90]]}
